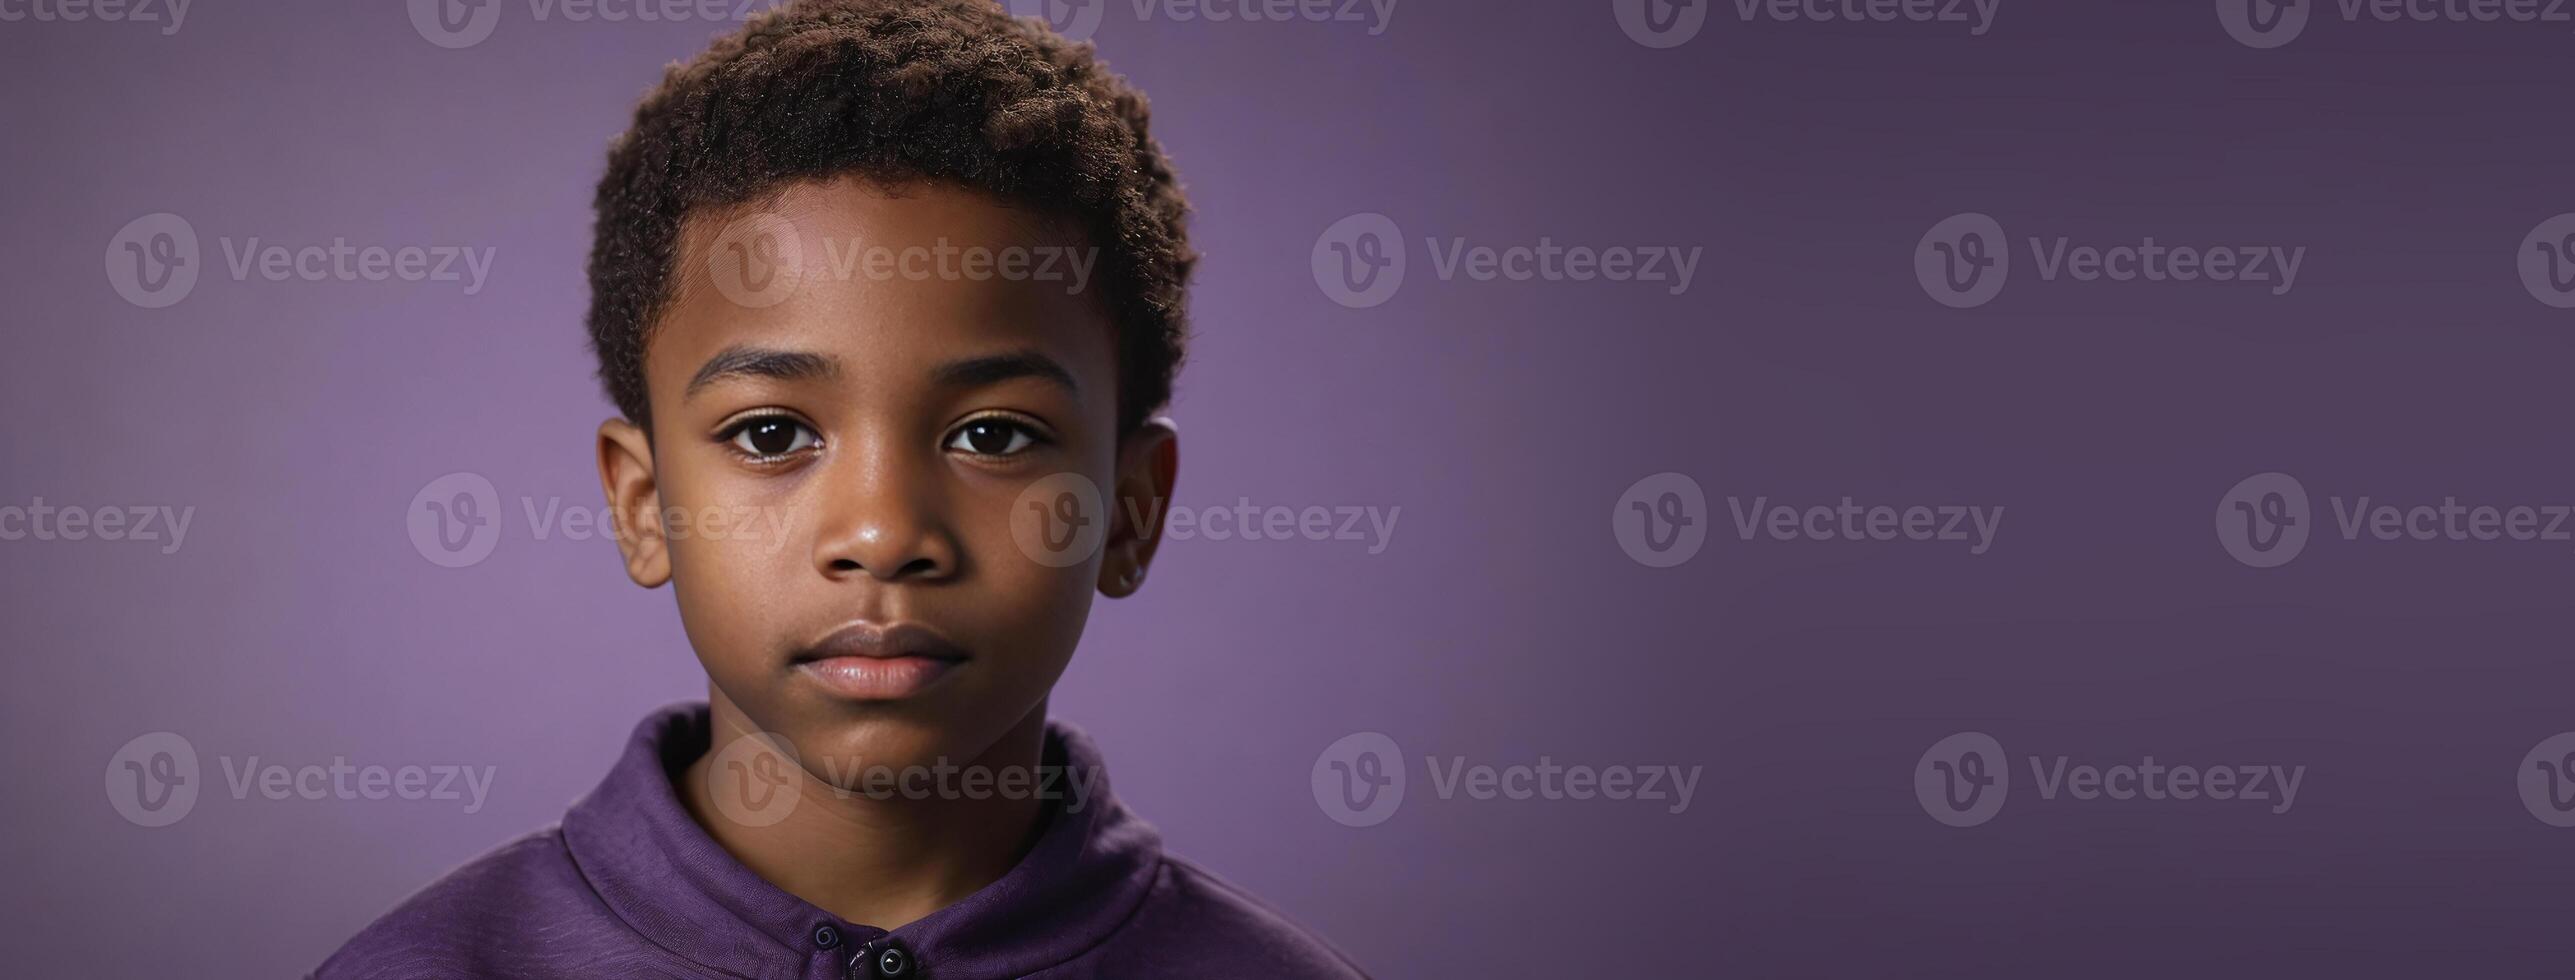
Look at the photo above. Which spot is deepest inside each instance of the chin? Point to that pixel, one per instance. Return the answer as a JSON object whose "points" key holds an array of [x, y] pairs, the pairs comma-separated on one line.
{"points": [[850, 740]]}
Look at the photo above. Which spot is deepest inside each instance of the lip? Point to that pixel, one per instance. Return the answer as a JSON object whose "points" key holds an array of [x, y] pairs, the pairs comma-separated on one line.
{"points": [[868, 662]]}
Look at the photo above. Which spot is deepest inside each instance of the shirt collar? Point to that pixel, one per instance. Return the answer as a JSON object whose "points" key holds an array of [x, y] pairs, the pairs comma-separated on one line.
{"points": [[653, 866]]}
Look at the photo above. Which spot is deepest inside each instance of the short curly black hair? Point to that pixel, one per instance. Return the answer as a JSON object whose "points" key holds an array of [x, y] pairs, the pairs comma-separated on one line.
{"points": [[896, 90]]}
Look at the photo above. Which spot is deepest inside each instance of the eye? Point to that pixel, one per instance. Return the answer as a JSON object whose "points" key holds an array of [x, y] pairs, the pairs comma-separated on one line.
{"points": [[771, 436], [993, 436]]}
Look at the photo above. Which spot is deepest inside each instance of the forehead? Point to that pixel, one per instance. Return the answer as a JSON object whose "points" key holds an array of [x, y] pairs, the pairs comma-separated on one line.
{"points": [[892, 278]]}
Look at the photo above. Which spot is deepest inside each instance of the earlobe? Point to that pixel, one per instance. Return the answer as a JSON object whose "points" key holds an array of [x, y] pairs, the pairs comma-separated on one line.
{"points": [[1148, 468], [634, 501]]}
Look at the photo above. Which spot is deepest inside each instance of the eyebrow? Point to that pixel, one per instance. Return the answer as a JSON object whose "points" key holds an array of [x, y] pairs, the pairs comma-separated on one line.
{"points": [[994, 369], [744, 361]]}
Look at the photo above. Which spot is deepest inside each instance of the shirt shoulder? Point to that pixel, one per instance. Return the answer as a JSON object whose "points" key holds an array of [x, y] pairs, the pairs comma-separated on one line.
{"points": [[1196, 924], [521, 910]]}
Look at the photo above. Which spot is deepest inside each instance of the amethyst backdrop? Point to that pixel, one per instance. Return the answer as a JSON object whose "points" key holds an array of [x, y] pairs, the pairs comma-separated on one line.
{"points": [[1884, 218]]}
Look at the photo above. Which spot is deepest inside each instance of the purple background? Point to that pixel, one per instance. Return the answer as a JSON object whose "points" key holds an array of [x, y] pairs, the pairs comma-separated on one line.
{"points": [[1504, 622]]}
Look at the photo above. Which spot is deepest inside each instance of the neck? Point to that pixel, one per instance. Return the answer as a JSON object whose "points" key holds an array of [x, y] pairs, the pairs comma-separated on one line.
{"points": [[877, 862]]}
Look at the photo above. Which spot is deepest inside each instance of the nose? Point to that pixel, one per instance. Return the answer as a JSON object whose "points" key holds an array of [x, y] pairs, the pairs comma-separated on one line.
{"points": [[884, 517]]}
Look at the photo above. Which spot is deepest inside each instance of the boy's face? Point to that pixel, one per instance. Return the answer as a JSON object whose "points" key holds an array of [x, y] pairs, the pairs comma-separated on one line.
{"points": [[862, 417]]}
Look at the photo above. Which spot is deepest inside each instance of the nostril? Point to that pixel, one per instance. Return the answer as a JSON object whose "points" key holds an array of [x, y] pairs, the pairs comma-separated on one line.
{"points": [[844, 565], [919, 567]]}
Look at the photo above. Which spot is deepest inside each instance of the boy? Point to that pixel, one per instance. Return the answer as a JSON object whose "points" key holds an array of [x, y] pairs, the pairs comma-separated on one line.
{"points": [[819, 296]]}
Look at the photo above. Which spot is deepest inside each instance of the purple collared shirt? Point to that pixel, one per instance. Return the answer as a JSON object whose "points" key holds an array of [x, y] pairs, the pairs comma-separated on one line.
{"points": [[629, 886]]}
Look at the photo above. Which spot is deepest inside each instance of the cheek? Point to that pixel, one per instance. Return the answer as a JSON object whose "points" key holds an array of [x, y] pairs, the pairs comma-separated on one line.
{"points": [[726, 587], [1025, 603]]}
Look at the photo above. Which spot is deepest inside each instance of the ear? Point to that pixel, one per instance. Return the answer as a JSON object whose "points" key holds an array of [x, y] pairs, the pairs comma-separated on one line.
{"points": [[634, 501], [1148, 465]]}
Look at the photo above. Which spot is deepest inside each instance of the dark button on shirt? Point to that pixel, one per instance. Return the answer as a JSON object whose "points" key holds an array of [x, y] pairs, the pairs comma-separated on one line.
{"points": [[628, 885]]}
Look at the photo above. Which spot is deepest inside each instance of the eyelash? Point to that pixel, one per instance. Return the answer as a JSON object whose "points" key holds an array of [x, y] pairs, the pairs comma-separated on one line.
{"points": [[731, 437], [1035, 434]]}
